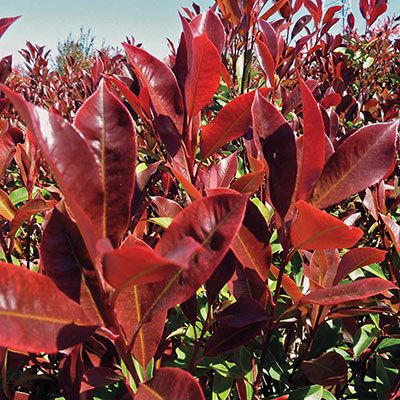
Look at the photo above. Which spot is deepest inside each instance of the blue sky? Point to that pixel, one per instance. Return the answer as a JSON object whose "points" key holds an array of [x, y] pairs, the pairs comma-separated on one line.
{"points": [[46, 22]]}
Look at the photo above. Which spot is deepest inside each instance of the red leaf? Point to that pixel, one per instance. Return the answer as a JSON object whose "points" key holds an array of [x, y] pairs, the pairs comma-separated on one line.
{"points": [[328, 369], [313, 154], [165, 207], [72, 162], [313, 229], [221, 217], [170, 383], [98, 377], [40, 325], [137, 265], [221, 174], [27, 210], [203, 76], [394, 231], [266, 61], [108, 128], [331, 100], [251, 244], [209, 23], [239, 323], [65, 260], [231, 122], [130, 307], [160, 81], [288, 284], [5, 24], [330, 12], [7, 208], [357, 258], [251, 182], [279, 148], [361, 161], [190, 189], [130, 97], [8, 144], [358, 290]]}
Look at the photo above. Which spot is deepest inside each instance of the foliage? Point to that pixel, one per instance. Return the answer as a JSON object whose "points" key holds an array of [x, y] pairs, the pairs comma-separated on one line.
{"points": [[80, 50], [223, 224]]}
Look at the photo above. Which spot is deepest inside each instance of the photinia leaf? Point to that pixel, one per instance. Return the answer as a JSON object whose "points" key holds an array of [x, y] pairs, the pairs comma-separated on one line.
{"points": [[72, 162], [279, 148], [65, 260], [130, 307], [313, 152], [165, 207], [251, 244], [5, 24], [108, 128], [208, 22], [231, 122], [98, 377], [221, 174], [239, 323], [288, 284], [161, 83], [358, 290], [130, 97], [357, 258], [221, 217], [327, 370], [266, 61], [7, 209], [394, 231], [170, 383], [138, 265], [8, 144], [313, 229], [38, 325], [251, 182], [203, 76], [361, 161], [30, 208], [250, 284]]}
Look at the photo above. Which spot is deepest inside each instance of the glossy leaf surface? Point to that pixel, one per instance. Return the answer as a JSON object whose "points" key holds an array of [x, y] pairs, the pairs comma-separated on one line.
{"points": [[359, 290], [161, 83], [203, 76], [313, 152], [279, 148], [357, 258], [362, 160], [231, 122], [65, 260], [313, 229], [108, 128], [222, 215], [60, 143], [42, 325]]}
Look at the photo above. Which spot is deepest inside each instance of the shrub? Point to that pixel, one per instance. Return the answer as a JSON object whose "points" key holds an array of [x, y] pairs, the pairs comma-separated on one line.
{"points": [[219, 225]]}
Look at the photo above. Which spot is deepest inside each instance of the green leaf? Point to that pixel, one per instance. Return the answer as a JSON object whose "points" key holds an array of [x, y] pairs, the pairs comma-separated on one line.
{"points": [[314, 392], [389, 344], [221, 387], [19, 195], [164, 222], [364, 337], [386, 374], [368, 62]]}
